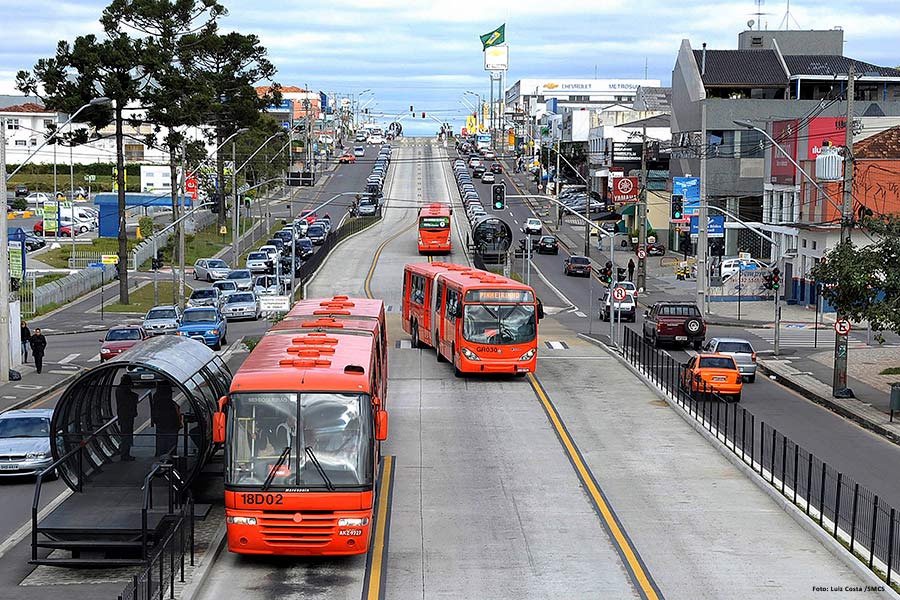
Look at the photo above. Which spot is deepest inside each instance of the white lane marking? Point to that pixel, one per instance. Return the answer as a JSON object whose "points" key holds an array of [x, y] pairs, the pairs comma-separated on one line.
{"points": [[70, 358], [95, 358], [578, 313]]}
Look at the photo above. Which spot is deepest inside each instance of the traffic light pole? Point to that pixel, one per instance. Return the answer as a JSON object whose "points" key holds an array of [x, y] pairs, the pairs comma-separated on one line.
{"points": [[839, 382]]}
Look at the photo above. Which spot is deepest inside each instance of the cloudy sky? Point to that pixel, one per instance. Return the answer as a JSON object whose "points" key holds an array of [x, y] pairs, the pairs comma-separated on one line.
{"points": [[427, 53]]}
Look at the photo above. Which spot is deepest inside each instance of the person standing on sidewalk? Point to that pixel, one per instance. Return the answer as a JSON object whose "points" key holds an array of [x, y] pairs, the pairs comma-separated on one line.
{"points": [[631, 266], [25, 337], [38, 344]]}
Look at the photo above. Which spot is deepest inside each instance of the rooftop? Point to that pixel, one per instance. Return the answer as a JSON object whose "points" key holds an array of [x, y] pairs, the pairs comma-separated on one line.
{"points": [[741, 68], [28, 107], [653, 98], [829, 65], [881, 145]]}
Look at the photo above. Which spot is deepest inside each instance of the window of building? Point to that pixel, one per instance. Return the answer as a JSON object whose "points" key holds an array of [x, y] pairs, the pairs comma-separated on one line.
{"points": [[803, 243], [756, 41], [814, 245], [134, 152], [33, 142], [48, 123], [751, 144], [12, 124]]}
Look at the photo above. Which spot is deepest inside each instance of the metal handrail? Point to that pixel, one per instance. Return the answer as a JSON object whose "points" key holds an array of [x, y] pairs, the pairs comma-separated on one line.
{"points": [[172, 476], [53, 466]]}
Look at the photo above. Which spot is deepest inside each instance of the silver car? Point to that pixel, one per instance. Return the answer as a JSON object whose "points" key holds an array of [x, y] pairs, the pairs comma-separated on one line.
{"points": [[241, 305], [242, 277], [211, 269], [741, 350], [25, 441], [226, 286], [258, 262], [162, 320], [267, 285], [205, 297]]}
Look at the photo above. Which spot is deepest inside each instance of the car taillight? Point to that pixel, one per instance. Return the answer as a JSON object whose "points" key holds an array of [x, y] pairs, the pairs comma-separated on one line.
{"points": [[659, 326]]}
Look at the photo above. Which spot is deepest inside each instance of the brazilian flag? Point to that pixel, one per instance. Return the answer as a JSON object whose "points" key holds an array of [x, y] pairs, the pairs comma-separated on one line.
{"points": [[494, 38]]}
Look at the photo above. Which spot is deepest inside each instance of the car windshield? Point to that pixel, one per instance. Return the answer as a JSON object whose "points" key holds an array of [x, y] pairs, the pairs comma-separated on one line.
{"points": [[225, 285], [316, 440], [258, 256], [316, 229], [24, 427], [579, 260], [216, 264], [499, 324], [734, 348], [717, 362], [198, 316], [236, 298], [116, 335], [548, 239], [305, 243], [161, 313], [242, 274], [203, 294]]}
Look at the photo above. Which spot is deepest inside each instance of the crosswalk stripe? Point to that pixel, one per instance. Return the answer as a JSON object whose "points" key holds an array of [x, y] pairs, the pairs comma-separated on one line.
{"points": [[69, 358], [95, 358], [802, 338]]}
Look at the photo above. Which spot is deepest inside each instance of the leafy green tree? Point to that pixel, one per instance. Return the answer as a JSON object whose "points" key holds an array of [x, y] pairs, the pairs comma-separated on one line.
{"points": [[863, 282]]}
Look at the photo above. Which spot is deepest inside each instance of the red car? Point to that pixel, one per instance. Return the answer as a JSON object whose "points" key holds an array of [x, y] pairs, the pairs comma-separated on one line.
{"points": [[64, 231], [310, 216], [347, 158], [119, 339]]}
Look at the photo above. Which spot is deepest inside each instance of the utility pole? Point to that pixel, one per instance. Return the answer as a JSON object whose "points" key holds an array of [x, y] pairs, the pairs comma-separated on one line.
{"points": [[702, 247], [234, 216], [5, 357], [642, 217], [181, 211], [839, 382]]}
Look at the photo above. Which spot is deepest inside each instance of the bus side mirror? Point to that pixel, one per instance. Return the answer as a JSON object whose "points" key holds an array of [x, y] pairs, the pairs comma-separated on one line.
{"points": [[540, 310], [381, 425], [218, 424]]}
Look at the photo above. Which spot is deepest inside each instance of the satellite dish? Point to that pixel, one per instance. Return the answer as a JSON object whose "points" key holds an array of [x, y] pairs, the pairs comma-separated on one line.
{"points": [[750, 24]]}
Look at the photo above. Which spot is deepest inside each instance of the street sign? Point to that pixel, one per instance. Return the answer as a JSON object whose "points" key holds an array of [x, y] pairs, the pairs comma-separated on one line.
{"points": [[109, 259], [190, 187], [223, 230], [16, 258], [715, 226], [90, 178], [243, 188], [625, 189], [842, 326], [619, 294], [744, 255], [96, 265], [642, 254], [274, 303]]}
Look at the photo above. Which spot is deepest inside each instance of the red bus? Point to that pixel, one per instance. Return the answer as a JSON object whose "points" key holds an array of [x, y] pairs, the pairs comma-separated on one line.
{"points": [[479, 321], [434, 229], [338, 307], [302, 437]]}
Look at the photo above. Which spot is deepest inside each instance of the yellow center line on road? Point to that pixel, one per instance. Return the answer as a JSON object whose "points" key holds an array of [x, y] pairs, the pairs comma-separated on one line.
{"points": [[629, 554], [378, 252], [375, 566]]}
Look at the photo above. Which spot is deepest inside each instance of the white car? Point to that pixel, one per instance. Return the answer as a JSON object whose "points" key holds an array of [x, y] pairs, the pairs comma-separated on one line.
{"points": [[533, 225], [730, 266], [359, 151], [37, 198], [272, 251]]}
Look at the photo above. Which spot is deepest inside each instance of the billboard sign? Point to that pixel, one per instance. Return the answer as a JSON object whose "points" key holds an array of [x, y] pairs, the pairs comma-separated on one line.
{"points": [[625, 189], [16, 249], [782, 170], [626, 152], [715, 226], [822, 129], [496, 58], [285, 106], [689, 189]]}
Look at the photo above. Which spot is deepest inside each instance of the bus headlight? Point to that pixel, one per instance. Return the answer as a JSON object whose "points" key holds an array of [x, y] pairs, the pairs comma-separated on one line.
{"points": [[241, 520], [528, 355], [353, 522], [469, 354]]}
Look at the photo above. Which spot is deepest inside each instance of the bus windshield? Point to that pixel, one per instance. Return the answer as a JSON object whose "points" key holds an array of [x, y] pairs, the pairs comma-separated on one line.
{"points": [[435, 223], [499, 324], [331, 448]]}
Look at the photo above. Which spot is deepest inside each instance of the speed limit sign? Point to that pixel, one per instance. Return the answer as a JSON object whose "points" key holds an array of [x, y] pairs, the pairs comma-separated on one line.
{"points": [[842, 326], [619, 294], [642, 254]]}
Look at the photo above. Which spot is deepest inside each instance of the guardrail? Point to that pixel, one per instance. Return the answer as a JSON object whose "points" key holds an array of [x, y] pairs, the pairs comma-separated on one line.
{"points": [[851, 513]]}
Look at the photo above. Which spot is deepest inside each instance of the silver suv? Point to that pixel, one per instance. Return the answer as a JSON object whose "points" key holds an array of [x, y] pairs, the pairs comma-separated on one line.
{"points": [[162, 320]]}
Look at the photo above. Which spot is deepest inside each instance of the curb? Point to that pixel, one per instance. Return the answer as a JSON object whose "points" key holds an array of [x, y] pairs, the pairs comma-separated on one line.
{"points": [[45, 392], [830, 405], [819, 534], [203, 570]]}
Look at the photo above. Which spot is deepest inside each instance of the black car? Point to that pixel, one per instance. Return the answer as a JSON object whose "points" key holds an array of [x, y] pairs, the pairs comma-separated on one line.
{"points": [[317, 233], [496, 169], [286, 263], [277, 242], [305, 248], [577, 265], [21, 191], [477, 172], [547, 245]]}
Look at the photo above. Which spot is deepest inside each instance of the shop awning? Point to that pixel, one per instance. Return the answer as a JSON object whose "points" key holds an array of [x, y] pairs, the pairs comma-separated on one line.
{"points": [[627, 211]]}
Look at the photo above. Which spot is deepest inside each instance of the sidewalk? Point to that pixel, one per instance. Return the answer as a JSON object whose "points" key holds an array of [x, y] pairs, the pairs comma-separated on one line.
{"points": [[19, 394]]}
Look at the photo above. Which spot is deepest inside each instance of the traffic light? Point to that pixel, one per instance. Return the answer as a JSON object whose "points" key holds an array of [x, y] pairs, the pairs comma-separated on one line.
{"points": [[423, 115], [411, 108], [156, 264], [498, 193], [768, 281], [776, 278], [620, 273], [677, 207], [606, 273]]}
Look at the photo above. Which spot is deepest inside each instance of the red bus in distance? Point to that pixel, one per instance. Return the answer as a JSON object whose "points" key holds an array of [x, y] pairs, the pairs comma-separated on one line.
{"points": [[434, 229]]}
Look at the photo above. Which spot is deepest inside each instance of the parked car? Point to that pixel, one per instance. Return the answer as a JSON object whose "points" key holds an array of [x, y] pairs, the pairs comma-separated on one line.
{"points": [[717, 373], [242, 277], [547, 245], [205, 297], [65, 229], [674, 322], [162, 320], [226, 287], [577, 265], [626, 309], [38, 198], [120, 338], [740, 350], [258, 262], [205, 325], [241, 305], [25, 441], [211, 269], [730, 266], [533, 225]]}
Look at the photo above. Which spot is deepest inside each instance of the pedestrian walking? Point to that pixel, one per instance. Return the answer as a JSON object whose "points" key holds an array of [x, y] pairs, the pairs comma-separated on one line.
{"points": [[38, 344], [25, 337], [126, 410], [631, 269]]}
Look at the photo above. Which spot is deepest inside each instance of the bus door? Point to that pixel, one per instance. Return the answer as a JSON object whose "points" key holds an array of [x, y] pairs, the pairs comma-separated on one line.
{"points": [[449, 320], [437, 311]]}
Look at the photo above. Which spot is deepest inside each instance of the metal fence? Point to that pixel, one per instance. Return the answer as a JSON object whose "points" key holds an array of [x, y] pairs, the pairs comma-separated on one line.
{"points": [[851, 513], [157, 580], [143, 252]]}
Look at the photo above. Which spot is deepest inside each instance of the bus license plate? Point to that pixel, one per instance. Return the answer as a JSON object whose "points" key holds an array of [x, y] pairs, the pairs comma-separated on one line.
{"points": [[680, 338], [350, 532]]}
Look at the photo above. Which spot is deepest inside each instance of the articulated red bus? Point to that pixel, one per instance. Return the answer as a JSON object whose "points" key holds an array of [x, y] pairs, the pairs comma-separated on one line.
{"points": [[305, 417], [434, 229], [479, 321]]}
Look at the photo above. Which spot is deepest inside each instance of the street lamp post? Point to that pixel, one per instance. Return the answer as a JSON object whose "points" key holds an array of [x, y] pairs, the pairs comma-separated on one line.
{"points": [[5, 350]]}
